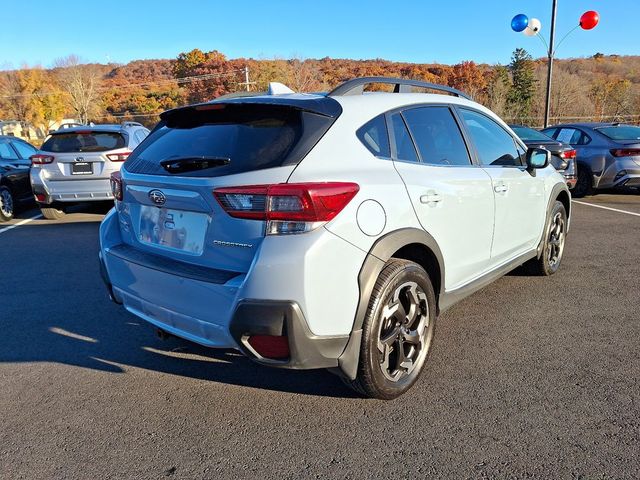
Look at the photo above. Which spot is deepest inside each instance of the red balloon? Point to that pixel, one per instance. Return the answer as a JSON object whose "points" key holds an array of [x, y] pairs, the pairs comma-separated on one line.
{"points": [[589, 20]]}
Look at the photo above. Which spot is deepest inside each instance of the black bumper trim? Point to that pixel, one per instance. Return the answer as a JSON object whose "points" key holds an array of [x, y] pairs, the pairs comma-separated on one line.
{"points": [[266, 317], [105, 278]]}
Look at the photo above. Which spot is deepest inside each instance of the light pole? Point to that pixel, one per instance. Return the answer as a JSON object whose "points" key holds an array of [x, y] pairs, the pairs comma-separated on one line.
{"points": [[531, 27], [547, 105]]}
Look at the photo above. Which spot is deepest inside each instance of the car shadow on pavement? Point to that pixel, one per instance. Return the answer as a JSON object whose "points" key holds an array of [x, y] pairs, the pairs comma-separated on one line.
{"points": [[54, 308]]}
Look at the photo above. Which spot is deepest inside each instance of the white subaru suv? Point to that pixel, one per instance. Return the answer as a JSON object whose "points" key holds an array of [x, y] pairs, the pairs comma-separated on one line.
{"points": [[327, 231], [75, 164]]}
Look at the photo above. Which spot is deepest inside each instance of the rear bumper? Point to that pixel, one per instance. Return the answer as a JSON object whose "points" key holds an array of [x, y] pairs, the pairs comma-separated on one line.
{"points": [[214, 309], [249, 317], [73, 190]]}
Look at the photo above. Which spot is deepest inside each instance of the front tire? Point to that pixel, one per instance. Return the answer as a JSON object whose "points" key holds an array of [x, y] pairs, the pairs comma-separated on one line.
{"points": [[397, 331], [7, 204], [553, 247], [52, 213]]}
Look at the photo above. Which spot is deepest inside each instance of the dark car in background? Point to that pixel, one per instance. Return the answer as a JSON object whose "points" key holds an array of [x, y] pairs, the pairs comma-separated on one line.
{"points": [[15, 188], [607, 154], [563, 156]]}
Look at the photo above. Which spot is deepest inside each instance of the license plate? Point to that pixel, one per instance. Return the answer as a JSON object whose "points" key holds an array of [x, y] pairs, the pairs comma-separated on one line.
{"points": [[173, 229], [81, 168]]}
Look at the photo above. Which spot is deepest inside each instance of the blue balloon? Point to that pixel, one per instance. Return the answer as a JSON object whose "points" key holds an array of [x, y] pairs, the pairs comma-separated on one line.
{"points": [[519, 22]]}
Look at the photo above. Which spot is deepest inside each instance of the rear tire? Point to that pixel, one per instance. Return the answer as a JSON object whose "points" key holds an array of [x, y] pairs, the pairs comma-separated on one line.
{"points": [[397, 332], [555, 235], [584, 185], [52, 213], [7, 204]]}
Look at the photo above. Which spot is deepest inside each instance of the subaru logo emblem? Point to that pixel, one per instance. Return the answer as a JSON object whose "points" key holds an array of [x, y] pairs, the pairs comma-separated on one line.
{"points": [[79, 159], [157, 197]]}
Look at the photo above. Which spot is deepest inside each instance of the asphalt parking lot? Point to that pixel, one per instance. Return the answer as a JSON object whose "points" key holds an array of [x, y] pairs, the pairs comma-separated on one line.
{"points": [[529, 378]]}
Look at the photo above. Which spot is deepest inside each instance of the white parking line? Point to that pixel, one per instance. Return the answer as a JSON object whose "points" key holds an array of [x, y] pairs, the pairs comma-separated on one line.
{"points": [[22, 222], [607, 208]]}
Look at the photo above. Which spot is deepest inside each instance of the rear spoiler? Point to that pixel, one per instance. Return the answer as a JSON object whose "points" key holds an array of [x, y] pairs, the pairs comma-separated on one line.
{"points": [[318, 104]]}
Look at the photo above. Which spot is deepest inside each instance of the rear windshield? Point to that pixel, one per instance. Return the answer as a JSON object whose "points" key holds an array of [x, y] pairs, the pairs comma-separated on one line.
{"points": [[623, 132], [530, 135], [83, 142], [235, 137]]}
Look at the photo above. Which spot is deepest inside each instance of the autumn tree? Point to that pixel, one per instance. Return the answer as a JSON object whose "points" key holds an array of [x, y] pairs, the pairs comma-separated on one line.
{"points": [[612, 98], [81, 84], [29, 96], [469, 78], [498, 86], [523, 85], [205, 76]]}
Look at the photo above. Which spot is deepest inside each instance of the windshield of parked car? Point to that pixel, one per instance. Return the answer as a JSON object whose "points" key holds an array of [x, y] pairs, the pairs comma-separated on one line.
{"points": [[621, 132], [83, 142], [530, 135]]}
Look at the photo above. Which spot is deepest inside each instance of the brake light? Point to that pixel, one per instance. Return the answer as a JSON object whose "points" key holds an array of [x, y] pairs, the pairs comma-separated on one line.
{"points": [[625, 152], [568, 154], [270, 346], [40, 159], [287, 207], [118, 157], [116, 185]]}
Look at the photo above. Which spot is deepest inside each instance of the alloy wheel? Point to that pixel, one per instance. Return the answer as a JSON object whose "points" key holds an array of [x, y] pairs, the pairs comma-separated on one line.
{"points": [[405, 332], [556, 240], [6, 203]]}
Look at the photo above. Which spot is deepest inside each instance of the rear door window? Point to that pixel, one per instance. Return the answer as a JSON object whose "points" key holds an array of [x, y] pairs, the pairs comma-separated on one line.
{"points": [[572, 136], [224, 139], [437, 136], [6, 152], [24, 149], [83, 142]]}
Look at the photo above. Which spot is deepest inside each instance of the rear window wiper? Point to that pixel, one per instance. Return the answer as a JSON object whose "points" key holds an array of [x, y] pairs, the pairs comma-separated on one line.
{"points": [[190, 164]]}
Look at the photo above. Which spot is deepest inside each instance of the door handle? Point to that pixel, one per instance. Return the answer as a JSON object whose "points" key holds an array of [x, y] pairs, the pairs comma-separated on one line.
{"points": [[500, 188], [431, 197]]}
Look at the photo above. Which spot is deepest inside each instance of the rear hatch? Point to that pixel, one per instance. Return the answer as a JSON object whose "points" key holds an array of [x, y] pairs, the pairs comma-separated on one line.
{"points": [[83, 154], [168, 207]]}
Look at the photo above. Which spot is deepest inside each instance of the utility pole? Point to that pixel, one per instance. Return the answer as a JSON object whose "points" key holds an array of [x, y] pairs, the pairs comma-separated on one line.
{"points": [[551, 53], [246, 82]]}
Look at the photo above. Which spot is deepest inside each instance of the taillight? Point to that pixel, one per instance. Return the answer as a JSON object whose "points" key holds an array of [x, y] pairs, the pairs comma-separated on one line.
{"points": [[116, 185], [568, 154], [625, 152], [40, 159], [287, 207], [118, 157], [270, 346]]}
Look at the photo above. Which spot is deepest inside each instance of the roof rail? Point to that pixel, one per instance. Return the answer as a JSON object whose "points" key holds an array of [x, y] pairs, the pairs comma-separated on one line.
{"points": [[132, 124], [356, 86]]}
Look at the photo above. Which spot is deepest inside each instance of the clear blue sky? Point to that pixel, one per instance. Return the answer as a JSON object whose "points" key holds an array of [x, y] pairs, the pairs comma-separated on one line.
{"points": [[36, 32]]}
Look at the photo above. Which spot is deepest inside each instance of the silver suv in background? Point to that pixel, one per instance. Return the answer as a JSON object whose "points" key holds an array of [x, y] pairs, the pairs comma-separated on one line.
{"points": [[74, 164]]}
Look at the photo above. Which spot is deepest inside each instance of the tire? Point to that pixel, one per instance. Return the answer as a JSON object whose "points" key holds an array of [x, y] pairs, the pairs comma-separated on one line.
{"points": [[388, 326], [584, 185], [7, 204], [555, 235], [52, 213]]}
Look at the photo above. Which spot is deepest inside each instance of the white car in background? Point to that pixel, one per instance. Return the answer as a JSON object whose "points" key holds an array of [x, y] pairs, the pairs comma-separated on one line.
{"points": [[74, 164], [328, 231]]}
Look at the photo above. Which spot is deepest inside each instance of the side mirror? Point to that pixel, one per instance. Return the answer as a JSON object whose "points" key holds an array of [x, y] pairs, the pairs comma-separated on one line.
{"points": [[537, 158]]}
